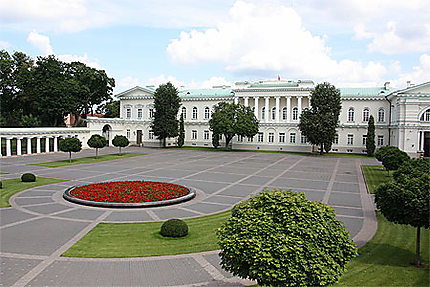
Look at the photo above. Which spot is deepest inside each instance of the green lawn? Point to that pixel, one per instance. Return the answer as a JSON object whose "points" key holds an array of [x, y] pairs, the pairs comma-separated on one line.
{"points": [[143, 239], [89, 159], [375, 175], [353, 155], [14, 185]]}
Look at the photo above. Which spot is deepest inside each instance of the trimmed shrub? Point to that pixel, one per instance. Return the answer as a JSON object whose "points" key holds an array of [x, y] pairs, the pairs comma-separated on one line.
{"points": [[174, 228], [28, 177]]}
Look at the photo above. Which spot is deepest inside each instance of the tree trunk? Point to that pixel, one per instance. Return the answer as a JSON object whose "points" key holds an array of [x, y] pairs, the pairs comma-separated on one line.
{"points": [[164, 142], [70, 156], [119, 150], [417, 254], [322, 149], [97, 152], [227, 140]]}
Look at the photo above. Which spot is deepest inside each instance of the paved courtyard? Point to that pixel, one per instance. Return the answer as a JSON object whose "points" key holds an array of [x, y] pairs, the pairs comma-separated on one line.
{"points": [[41, 225]]}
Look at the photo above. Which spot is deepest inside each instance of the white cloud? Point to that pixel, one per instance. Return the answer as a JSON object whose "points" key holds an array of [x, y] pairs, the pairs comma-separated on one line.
{"points": [[418, 75], [269, 38], [41, 42], [209, 83], [83, 59], [4, 45]]}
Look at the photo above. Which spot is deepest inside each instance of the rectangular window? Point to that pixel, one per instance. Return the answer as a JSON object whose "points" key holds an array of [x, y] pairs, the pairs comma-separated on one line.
{"points": [[250, 139], [240, 138], [281, 137], [139, 113], [128, 134], [304, 139], [271, 137], [292, 137], [336, 139], [193, 134], [206, 135], [151, 113], [350, 139], [151, 135], [364, 139], [260, 137], [128, 113], [380, 140]]}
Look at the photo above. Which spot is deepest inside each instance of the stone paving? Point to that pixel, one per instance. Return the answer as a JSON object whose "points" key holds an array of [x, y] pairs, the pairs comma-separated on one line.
{"points": [[41, 225]]}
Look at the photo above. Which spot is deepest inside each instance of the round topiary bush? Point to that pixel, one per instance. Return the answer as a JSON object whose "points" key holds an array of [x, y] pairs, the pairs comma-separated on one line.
{"points": [[174, 228], [28, 177]]}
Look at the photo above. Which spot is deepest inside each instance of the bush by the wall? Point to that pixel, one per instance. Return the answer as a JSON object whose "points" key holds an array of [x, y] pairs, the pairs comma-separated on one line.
{"points": [[174, 228], [28, 177]]}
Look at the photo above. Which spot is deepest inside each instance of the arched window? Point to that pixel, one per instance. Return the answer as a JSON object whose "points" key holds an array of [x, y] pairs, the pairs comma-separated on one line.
{"points": [[207, 113], [350, 114], [366, 115], [284, 113], [295, 114], [194, 113], [184, 112], [425, 116], [381, 115], [263, 111], [273, 113]]}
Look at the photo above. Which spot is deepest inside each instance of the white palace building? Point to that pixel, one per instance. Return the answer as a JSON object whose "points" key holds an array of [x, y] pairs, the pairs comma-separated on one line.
{"points": [[402, 117]]}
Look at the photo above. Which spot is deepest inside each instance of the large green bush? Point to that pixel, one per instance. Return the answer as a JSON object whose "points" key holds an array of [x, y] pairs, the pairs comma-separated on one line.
{"points": [[174, 228], [28, 177], [279, 238], [391, 157]]}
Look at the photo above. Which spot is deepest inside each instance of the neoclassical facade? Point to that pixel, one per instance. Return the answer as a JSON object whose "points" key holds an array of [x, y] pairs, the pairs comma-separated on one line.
{"points": [[402, 117]]}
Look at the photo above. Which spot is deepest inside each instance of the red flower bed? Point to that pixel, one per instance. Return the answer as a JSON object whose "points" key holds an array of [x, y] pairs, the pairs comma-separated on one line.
{"points": [[129, 191]]}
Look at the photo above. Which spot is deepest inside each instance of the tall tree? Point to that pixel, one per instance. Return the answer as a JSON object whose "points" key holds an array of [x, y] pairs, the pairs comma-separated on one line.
{"points": [[110, 109], [406, 199], [231, 119], [370, 140], [166, 106], [319, 123], [181, 137]]}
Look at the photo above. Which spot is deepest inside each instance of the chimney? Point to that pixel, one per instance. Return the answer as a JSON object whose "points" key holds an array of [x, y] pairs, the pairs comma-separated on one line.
{"points": [[387, 85]]}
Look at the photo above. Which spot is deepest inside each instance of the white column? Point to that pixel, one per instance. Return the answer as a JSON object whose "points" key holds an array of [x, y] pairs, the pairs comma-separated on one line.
{"points": [[8, 147], [288, 108], [47, 144], [422, 141], [309, 101], [236, 100], [55, 144], [277, 110], [256, 107], [37, 144], [299, 106], [28, 145], [18, 146], [246, 101], [267, 111]]}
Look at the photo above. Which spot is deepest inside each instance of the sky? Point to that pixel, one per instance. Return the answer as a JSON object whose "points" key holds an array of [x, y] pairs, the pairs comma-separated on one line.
{"points": [[199, 44]]}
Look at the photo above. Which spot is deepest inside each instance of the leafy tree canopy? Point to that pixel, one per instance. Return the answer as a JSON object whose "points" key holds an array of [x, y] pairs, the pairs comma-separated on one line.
{"points": [[110, 109], [97, 141], [166, 106], [279, 238], [319, 123], [120, 141], [70, 145], [231, 119], [391, 157]]}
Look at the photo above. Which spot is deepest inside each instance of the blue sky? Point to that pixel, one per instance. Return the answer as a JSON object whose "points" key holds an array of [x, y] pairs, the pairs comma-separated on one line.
{"points": [[203, 43]]}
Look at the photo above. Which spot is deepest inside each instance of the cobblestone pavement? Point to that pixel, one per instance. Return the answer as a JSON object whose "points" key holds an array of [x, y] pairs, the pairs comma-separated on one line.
{"points": [[41, 225]]}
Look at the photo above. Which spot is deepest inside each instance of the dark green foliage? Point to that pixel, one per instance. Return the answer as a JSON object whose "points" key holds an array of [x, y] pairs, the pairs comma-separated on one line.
{"points": [[1, 184], [406, 199], [70, 145], [231, 119], [320, 122], [29, 121], [28, 177], [181, 137], [120, 141], [97, 141], [166, 106], [174, 228], [110, 109], [215, 139], [391, 157], [370, 141], [279, 238]]}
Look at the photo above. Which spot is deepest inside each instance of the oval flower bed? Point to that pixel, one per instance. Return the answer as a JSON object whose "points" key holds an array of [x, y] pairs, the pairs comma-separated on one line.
{"points": [[129, 194]]}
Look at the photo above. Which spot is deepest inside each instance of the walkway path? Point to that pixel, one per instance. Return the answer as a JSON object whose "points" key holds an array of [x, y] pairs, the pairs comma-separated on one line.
{"points": [[41, 225]]}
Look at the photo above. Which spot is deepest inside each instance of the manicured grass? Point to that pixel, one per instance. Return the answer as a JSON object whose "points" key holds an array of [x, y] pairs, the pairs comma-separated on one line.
{"points": [[89, 159], [353, 155], [14, 185], [143, 239], [375, 175], [385, 260], [3, 172]]}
